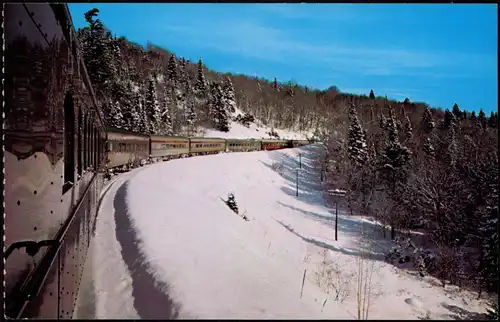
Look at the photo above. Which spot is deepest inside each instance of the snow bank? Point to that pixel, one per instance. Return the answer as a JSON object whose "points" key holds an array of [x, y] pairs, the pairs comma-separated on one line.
{"points": [[216, 265]]}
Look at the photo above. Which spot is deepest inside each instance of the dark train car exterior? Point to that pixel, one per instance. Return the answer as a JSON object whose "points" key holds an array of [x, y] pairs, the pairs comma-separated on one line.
{"points": [[275, 144], [125, 148], [54, 160]]}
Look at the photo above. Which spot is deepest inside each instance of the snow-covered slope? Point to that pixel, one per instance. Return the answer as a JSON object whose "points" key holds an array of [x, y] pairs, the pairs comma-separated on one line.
{"points": [[188, 255], [254, 131]]}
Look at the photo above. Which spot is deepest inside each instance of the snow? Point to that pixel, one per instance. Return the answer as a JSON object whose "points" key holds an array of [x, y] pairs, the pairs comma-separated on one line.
{"points": [[254, 131], [190, 256]]}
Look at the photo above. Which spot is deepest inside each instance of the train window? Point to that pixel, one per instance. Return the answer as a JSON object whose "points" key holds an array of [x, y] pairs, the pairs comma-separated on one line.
{"points": [[69, 144], [80, 130], [96, 148], [85, 124], [87, 138]]}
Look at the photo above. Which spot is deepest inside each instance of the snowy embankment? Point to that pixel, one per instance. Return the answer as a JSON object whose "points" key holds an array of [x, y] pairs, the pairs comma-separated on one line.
{"points": [[254, 131], [189, 256]]}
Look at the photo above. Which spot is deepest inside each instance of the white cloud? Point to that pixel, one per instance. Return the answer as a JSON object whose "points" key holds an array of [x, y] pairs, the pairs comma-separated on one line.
{"points": [[255, 40]]}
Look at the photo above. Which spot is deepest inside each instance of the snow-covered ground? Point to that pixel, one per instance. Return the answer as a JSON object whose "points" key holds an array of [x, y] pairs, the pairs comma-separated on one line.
{"points": [[166, 245], [254, 131]]}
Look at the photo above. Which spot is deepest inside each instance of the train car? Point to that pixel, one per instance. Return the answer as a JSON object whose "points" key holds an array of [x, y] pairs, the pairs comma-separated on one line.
{"points": [[166, 147], [126, 149], [299, 143], [275, 144], [235, 145], [54, 160], [206, 145]]}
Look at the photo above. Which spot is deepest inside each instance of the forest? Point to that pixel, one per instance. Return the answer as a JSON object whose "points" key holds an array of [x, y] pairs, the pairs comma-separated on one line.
{"points": [[403, 163]]}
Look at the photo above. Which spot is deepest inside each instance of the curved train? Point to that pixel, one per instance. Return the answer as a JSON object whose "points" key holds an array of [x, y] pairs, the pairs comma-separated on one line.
{"points": [[57, 154], [126, 149]]}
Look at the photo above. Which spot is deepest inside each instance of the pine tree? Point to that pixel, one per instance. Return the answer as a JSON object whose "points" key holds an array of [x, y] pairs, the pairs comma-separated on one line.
{"points": [[201, 89], [428, 148], [96, 45], [152, 107], [218, 110], [372, 95], [457, 112], [449, 119], [408, 129], [493, 120], [229, 98], [166, 120], [427, 122], [172, 74], [481, 118], [395, 159], [356, 139]]}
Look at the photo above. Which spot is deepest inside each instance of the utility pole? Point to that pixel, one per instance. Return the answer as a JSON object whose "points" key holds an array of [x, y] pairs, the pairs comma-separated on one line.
{"points": [[337, 193]]}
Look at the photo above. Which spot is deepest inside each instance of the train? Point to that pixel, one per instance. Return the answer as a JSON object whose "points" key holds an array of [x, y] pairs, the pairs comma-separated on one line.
{"points": [[127, 150], [58, 154]]}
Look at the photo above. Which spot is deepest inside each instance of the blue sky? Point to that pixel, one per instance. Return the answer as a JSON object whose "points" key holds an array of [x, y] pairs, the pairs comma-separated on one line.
{"points": [[437, 53]]}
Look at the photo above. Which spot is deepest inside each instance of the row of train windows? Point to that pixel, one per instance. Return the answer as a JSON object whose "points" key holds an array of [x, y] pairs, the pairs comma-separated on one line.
{"points": [[173, 146], [206, 145], [242, 144], [90, 148], [127, 147]]}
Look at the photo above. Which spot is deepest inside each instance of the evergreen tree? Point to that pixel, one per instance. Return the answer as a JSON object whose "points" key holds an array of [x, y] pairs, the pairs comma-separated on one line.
{"points": [[372, 95], [427, 122], [493, 120], [152, 107], [428, 148], [229, 99], [97, 51], [449, 119], [395, 159], [473, 116], [456, 111], [356, 139], [408, 128], [166, 120], [201, 89], [218, 110], [172, 74], [481, 118]]}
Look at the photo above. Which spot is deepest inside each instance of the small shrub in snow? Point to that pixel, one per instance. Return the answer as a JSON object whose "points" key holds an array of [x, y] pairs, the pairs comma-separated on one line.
{"points": [[273, 133], [231, 202], [245, 119], [406, 252]]}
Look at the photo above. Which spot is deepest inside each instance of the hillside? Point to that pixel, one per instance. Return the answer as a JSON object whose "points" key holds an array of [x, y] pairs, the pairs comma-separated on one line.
{"points": [[151, 90]]}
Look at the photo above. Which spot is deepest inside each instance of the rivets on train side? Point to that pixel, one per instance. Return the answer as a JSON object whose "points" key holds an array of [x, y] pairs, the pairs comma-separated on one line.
{"points": [[52, 182], [18, 202], [51, 212], [34, 156], [34, 192], [20, 23], [34, 228]]}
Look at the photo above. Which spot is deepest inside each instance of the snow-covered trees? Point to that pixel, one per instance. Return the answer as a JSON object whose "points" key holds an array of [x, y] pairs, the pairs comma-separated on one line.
{"points": [[152, 108], [356, 140], [217, 108], [229, 99]]}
